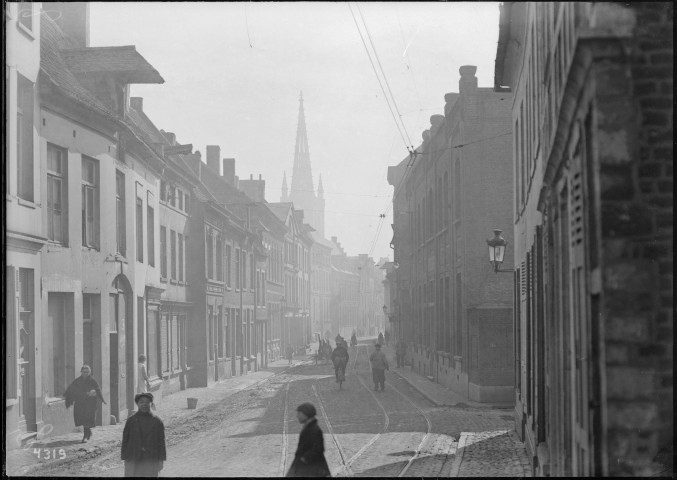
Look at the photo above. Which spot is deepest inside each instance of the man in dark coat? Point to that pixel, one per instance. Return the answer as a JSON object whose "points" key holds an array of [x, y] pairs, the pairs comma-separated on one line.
{"points": [[85, 394], [143, 441], [309, 459]]}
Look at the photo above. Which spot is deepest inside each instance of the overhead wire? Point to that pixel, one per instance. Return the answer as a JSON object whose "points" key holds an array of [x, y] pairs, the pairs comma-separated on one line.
{"points": [[385, 95]]}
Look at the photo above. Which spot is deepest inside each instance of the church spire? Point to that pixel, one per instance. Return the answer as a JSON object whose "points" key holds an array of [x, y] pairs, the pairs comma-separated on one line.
{"points": [[285, 194], [320, 188], [302, 191]]}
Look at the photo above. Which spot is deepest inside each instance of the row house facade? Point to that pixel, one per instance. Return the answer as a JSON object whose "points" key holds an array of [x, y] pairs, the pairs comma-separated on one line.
{"points": [[24, 236], [83, 305], [593, 211], [295, 328], [448, 197], [344, 302], [371, 318], [320, 279]]}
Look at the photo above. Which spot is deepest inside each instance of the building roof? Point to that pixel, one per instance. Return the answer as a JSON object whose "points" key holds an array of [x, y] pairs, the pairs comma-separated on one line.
{"points": [[124, 61], [281, 210], [320, 240]]}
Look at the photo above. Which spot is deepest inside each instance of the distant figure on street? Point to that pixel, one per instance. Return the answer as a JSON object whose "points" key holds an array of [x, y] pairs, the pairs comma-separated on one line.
{"points": [[380, 338], [84, 393], [142, 383], [289, 353], [309, 459], [338, 339], [387, 337], [379, 365], [353, 340], [143, 440], [339, 358], [400, 352]]}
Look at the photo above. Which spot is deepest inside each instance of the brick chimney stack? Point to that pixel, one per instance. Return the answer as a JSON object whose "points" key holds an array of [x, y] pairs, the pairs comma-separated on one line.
{"points": [[254, 189], [229, 170], [213, 157], [72, 18]]}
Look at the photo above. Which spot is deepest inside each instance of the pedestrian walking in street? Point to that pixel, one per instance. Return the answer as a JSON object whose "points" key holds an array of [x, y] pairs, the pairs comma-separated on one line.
{"points": [[339, 358], [400, 353], [380, 338], [379, 365], [143, 440], [309, 459], [84, 393], [353, 340], [289, 353], [143, 382], [387, 337]]}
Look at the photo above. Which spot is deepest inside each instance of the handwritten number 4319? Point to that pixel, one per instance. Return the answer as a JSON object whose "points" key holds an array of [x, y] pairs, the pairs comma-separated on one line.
{"points": [[48, 454]]}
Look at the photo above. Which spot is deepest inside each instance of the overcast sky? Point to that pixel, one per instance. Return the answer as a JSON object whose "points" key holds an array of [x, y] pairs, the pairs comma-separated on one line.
{"points": [[233, 73]]}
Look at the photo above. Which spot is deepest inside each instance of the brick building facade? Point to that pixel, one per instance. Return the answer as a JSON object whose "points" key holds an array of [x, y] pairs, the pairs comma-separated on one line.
{"points": [[592, 117], [449, 196]]}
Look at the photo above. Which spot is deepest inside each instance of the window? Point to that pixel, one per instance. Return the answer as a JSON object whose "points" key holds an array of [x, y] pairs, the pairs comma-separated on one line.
{"points": [[139, 229], [163, 252], [180, 258], [57, 197], [172, 195], [163, 190], [172, 252], [228, 267], [26, 15], [24, 137], [90, 202], [11, 348], [219, 258], [210, 253], [150, 221], [164, 342], [180, 193], [220, 331], [185, 203], [252, 271], [121, 237], [26, 322], [237, 268]]}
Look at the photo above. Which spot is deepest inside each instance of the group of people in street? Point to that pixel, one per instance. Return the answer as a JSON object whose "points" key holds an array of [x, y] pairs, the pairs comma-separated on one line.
{"points": [[143, 437], [144, 448]]}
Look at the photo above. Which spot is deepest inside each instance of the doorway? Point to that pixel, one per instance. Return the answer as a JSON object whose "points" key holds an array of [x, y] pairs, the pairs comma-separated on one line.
{"points": [[121, 339]]}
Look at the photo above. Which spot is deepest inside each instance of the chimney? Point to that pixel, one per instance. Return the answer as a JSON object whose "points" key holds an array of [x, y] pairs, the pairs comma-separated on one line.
{"points": [[72, 18], [229, 170], [213, 156], [136, 103], [254, 189], [468, 81]]}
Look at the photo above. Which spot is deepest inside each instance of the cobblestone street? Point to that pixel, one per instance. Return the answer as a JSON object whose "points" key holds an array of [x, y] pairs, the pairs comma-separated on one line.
{"points": [[246, 426]]}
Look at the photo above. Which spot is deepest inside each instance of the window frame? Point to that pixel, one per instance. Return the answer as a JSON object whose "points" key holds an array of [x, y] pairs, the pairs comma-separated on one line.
{"points": [[139, 229], [61, 177], [90, 187]]}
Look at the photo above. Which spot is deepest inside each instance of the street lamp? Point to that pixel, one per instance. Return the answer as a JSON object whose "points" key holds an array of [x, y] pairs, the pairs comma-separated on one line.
{"points": [[497, 250]]}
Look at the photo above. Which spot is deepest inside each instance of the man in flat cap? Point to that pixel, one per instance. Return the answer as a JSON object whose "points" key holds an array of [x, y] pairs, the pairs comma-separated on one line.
{"points": [[143, 440], [309, 459]]}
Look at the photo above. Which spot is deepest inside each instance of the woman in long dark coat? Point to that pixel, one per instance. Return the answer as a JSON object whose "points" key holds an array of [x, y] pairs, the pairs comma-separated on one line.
{"points": [[309, 459], [85, 394], [143, 441]]}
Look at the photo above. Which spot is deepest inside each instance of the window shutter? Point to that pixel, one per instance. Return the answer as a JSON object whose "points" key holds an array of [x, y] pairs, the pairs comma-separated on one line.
{"points": [[11, 360]]}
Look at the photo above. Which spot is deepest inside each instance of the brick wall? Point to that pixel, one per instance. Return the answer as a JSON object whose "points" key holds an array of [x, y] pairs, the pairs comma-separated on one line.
{"points": [[637, 234]]}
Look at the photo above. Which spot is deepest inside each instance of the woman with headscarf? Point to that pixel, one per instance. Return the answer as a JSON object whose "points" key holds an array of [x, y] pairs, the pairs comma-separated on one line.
{"points": [[85, 394], [143, 440]]}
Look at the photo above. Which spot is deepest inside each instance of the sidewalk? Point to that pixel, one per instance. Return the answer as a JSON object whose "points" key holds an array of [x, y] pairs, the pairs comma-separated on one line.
{"points": [[437, 394], [67, 447]]}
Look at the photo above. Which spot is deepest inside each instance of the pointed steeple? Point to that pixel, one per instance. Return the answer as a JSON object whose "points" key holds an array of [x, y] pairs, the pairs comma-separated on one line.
{"points": [[302, 191], [320, 188], [285, 194]]}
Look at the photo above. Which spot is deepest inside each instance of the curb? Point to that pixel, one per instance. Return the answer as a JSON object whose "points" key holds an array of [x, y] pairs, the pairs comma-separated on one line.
{"points": [[458, 457]]}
